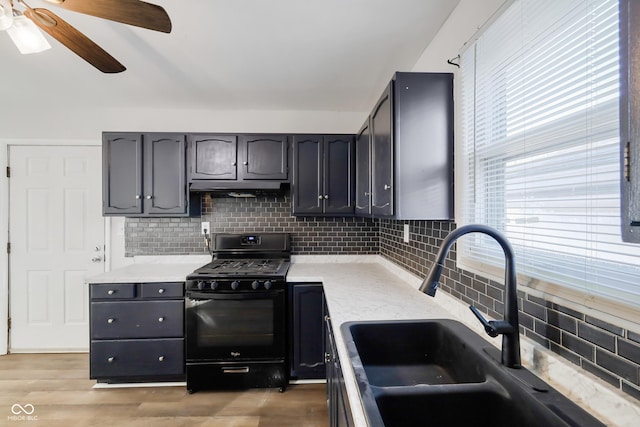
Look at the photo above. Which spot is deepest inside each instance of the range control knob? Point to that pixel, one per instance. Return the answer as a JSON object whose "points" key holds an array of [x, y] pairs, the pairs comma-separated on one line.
{"points": [[235, 285], [214, 285], [267, 284], [255, 284], [201, 284]]}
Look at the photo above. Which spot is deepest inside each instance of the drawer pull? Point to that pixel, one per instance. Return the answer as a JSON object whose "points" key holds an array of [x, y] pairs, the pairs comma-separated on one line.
{"points": [[111, 320], [111, 291], [161, 359], [111, 359], [239, 370], [161, 291], [161, 319]]}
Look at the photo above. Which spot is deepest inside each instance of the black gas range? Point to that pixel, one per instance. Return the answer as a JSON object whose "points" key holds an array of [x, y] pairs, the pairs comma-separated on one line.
{"points": [[235, 314]]}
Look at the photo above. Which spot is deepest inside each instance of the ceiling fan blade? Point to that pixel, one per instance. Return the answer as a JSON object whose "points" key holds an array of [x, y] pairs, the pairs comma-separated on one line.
{"points": [[131, 12], [80, 44]]}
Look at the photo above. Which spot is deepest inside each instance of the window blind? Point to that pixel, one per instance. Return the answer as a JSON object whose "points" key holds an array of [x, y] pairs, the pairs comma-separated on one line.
{"points": [[540, 130]]}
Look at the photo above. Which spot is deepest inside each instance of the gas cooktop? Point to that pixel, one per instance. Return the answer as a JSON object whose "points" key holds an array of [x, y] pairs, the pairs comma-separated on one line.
{"points": [[242, 267]]}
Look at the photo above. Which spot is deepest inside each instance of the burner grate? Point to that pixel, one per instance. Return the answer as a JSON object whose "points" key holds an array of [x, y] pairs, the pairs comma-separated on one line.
{"points": [[242, 266]]}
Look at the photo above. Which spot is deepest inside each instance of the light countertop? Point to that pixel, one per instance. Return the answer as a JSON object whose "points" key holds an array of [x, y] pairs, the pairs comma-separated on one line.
{"points": [[152, 269], [373, 288]]}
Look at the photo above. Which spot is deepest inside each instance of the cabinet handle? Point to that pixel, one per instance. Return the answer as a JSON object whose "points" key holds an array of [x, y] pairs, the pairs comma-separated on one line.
{"points": [[326, 196], [149, 197], [387, 187], [245, 163], [111, 359], [111, 320], [161, 291], [111, 292], [138, 197], [161, 359], [233, 164], [161, 319], [320, 197]]}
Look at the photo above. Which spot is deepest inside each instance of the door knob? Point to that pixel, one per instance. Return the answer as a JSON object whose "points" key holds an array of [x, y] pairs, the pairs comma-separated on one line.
{"points": [[96, 259]]}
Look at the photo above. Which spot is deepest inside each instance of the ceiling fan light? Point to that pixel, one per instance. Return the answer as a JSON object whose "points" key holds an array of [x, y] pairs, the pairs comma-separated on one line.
{"points": [[6, 15], [26, 36]]}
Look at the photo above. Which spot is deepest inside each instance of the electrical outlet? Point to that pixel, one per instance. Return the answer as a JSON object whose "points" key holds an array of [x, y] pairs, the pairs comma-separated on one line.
{"points": [[204, 228], [406, 233]]}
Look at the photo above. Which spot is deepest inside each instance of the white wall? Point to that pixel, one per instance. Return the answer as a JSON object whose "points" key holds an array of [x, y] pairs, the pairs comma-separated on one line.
{"points": [[459, 28], [88, 124]]}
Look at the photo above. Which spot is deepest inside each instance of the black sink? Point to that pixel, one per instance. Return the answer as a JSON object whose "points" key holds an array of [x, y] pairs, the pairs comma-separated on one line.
{"points": [[439, 372], [400, 353]]}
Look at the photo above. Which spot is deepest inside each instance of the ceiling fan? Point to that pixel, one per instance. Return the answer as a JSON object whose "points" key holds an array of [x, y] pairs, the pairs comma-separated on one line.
{"points": [[132, 12]]}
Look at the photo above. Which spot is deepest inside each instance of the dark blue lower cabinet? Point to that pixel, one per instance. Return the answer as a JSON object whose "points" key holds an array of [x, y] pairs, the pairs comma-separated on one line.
{"points": [[137, 332], [307, 347]]}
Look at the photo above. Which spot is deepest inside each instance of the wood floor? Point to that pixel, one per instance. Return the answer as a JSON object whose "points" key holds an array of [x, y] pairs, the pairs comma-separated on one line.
{"points": [[61, 394]]}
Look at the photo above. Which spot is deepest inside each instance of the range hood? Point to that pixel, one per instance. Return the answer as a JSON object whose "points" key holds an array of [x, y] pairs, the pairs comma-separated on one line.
{"points": [[243, 188]]}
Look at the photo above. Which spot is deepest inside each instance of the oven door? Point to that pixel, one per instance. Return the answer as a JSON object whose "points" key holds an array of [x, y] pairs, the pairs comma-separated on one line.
{"points": [[235, 326]]}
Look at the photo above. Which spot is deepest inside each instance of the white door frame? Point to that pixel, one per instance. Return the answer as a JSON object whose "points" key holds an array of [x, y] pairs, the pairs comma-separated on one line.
{"points": [[5, 144]]}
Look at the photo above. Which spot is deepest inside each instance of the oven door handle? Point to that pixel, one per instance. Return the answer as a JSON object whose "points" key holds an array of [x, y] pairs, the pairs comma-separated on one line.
{"points": [[201, 296]]}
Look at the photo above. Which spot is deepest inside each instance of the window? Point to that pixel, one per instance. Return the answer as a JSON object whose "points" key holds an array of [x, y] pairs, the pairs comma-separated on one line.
{"points": [[540, 131]]}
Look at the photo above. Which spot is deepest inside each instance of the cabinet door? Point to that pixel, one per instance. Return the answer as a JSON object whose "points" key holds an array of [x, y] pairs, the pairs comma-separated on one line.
{"points": [[264, 157], [363, 171], [307, 330], [382, 155], [307, 181], [122, 173], [165, 178], [629, 120], [338, 170], [213, 157]]}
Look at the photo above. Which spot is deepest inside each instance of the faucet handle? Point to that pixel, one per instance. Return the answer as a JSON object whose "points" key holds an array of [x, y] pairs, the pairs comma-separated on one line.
{"points": [[493, 328]]}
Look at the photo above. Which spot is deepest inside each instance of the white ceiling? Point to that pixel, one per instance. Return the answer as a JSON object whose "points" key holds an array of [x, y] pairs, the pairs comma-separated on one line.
{"points": [[331, 55]]}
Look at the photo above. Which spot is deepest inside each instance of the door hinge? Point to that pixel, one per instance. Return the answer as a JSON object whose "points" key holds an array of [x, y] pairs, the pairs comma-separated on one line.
{"points": [[9, 323], [8, 172], [8, 247], [627, 161]]}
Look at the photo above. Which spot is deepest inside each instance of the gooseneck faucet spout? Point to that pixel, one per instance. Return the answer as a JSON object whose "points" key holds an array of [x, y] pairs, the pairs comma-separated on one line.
{"points": [[509, 326]]}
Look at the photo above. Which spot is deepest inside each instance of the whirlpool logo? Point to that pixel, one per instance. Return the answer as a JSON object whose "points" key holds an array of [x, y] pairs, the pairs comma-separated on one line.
{"points": [[22, 412]]}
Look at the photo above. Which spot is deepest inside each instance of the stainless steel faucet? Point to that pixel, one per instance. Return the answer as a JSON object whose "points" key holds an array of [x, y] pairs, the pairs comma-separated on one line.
{"points": [[509, 326]]}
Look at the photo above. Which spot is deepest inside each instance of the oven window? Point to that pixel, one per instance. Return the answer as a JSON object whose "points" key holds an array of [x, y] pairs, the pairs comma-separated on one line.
{"points": [[225, 323]]}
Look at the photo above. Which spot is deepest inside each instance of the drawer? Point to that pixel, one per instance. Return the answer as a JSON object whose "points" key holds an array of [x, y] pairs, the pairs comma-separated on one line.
{"points": [[113, 290], [137, 319], [162, 290], [135, 358]]}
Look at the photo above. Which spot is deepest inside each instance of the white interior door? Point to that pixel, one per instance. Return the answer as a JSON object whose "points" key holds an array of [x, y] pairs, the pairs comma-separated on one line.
{"points": [[56, 233]]}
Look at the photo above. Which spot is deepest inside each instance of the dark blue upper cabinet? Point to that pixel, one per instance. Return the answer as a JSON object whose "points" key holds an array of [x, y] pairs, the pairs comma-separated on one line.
{"points": [[410, 134], [144, 174]]}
